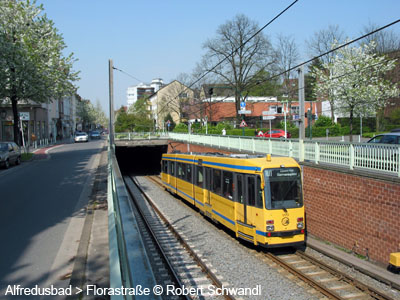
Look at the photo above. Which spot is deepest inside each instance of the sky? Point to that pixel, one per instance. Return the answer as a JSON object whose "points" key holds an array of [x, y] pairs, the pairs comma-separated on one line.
{"points": [[164, 38]]}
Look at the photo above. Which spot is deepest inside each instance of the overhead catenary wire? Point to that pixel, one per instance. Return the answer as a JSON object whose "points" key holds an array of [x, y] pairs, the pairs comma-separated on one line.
{"points": [[332, 78], [328, 52], [283, 72], [309, 60], [127, 74], [232, 53]]}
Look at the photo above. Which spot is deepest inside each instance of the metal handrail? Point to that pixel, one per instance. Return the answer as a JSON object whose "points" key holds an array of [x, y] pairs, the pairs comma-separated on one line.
{"points": [[129, 264]]}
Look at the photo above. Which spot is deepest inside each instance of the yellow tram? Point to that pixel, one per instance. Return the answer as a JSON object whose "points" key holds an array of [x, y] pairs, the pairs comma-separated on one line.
{"points": [[258, 197]]}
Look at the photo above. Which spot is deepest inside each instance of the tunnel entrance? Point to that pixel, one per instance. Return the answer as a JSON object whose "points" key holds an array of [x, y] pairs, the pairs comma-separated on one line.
{"points": [[141, 160]]}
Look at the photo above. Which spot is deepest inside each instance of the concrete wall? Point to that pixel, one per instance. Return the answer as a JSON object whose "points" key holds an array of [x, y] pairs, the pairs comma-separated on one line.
{"points": [[354, 211]]}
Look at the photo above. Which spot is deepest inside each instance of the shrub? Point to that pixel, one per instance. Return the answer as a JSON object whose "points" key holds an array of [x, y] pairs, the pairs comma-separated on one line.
{"points": [[323, 121], [181, 127]]}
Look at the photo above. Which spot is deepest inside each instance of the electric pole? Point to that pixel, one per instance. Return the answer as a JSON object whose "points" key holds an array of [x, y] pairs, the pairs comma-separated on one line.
{"points": [[111, 94], [300, 70]]}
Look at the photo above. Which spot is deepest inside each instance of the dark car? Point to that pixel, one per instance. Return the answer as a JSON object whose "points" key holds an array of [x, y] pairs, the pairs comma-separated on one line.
{"points": [[277, 133], [379, 152], [9, 153], [95, 135], [386, 138]]}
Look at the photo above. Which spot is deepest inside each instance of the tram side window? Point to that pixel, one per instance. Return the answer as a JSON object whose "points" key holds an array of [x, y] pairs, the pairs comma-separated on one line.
{"points": [[199, 176], [216, 181], [240, 195], [251, 190], [171, 167], [181, 171], [189, 172], [259, 193], [165, 166], [227, 185], [207, 177]]}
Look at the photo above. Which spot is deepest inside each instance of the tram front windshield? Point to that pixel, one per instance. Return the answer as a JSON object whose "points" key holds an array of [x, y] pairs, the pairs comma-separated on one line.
{"points": [[283, 188]]}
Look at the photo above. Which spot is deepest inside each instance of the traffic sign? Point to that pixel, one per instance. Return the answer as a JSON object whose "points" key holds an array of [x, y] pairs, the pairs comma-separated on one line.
{"points": [[268, 112], [24, 116], [244, 112], [243, 124], [242, 105], [269, 117]]}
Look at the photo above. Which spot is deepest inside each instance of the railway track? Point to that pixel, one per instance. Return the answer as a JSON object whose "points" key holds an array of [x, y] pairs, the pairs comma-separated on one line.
{"points": [[175, 261], [328, 281]]}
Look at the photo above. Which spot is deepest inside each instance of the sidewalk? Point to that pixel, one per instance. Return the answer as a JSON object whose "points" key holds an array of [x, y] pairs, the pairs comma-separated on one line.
{"points": [[92, 261], [41, 151]]}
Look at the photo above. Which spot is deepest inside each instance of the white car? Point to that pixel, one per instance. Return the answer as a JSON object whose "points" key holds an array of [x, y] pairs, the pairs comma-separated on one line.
{"points": [[81, 137]]}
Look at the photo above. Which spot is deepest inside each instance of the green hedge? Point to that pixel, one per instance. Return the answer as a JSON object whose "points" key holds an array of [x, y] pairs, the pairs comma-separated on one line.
{"points": [[334, 130]]}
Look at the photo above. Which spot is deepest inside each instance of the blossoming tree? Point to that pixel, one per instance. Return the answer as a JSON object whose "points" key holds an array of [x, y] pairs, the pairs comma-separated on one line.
{"points": [[356, 79]]}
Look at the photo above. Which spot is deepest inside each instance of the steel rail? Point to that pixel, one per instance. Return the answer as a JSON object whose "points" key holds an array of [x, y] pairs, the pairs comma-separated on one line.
{"points": [[344, 277], [175, 276], [199, 261], [375, 294], [313, 283], [340, 277]]}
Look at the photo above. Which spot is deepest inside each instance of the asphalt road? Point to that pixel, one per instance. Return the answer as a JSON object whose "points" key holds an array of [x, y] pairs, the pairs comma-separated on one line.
{"points": [[42, 210]]}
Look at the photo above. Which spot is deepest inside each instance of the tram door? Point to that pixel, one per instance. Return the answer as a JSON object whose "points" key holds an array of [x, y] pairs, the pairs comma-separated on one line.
{"points": [[241, 199]]}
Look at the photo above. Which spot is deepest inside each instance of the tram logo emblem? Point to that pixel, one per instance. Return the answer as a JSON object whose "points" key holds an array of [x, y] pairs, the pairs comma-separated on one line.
{"points": [[285, 221]]}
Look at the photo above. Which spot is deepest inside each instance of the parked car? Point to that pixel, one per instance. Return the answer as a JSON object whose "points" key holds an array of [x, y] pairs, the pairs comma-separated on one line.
{"points": [[277, 133], [81, 137], [95, 135], [386, 138], [381, 152], [9, 153]]}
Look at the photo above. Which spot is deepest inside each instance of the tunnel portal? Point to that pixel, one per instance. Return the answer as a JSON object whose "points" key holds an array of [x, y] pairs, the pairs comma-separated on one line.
{"points": [[140, 160]]}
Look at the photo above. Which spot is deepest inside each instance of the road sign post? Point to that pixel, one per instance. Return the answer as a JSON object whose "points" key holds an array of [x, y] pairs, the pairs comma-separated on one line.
{"points": [[243, 125]]}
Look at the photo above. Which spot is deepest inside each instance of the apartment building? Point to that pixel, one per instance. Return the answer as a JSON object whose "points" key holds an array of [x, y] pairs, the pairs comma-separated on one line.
{"points": [[143, 89]]}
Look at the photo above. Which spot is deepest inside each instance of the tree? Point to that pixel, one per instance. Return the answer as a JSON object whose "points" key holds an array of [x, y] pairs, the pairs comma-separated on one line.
{"points": [[385, 40], [124, 122], [86, 112], [356, 77], [263, 86], [287, 58], [321, 42], [99, 115], [243, 57], [141, 115], [32, 64]]}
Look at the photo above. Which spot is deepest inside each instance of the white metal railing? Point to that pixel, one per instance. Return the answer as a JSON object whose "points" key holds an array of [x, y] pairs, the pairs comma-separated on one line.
{"points": [[139, 135], [381, 158]]}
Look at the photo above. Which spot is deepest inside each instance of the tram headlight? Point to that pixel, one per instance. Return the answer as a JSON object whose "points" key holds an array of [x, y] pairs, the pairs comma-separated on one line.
{"points": [[300, 223], [270, 225]]}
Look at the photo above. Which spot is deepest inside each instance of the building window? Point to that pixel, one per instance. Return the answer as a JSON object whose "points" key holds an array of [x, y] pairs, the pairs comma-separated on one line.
{"points": [[183, 95]]}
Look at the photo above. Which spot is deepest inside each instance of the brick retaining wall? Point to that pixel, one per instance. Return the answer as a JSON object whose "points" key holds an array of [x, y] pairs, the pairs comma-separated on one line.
{"points": [[353, 211], [350, 210]]}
